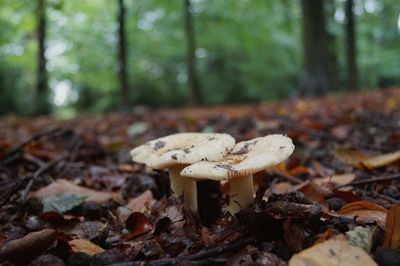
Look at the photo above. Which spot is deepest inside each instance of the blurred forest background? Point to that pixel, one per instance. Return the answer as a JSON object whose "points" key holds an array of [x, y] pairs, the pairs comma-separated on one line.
{"points": [[70, 56]]}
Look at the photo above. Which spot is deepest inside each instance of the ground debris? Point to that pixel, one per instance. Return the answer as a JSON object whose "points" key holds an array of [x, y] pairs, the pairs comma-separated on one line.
{"points": [[69, 193]]}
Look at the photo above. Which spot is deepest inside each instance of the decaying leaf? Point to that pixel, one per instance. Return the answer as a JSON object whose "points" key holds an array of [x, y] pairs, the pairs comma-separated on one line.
{"points": [[381, 160], [337, 180], [62, 203], [351, 157], [85, 246], [392, 228], [361, 237], [141, 202], [137, 224], [29, 246], [365, 212], [333, 252], [65, 187], [360, 160]]}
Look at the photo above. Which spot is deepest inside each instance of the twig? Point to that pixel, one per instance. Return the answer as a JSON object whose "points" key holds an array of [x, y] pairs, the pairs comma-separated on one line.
{"points": [[372, 180], [39, 171], [202, 257], [293, 179], [18, 148], [382, 196]]}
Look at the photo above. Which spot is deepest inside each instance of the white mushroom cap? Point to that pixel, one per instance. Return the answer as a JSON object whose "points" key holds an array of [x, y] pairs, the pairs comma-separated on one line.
{"points": [[183, 148], [246, 158]]}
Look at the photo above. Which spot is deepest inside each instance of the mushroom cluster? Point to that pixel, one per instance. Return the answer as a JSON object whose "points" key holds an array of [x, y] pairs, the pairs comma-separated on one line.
{"points": [[190, 157]]}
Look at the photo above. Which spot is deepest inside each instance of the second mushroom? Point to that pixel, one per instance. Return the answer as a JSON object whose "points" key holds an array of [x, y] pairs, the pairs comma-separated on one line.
{"points": [[238, 167]]}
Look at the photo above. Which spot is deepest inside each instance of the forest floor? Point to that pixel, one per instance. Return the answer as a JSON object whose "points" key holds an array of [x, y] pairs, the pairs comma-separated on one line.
{"points": [[69, 193]]}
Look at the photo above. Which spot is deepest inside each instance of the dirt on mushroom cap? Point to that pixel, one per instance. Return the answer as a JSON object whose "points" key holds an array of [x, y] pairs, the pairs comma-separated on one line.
{"points": [[183, 148], [246, 158]]}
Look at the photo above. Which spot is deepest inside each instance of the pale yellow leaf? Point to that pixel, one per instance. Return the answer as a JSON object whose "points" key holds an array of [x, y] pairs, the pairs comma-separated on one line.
{"points": [[85, 246], [338, 180], [381, 160], [333, 252]]}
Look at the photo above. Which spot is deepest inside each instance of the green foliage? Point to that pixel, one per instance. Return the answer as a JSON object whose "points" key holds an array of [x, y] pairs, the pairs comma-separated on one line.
{"points": [[246, 50]]}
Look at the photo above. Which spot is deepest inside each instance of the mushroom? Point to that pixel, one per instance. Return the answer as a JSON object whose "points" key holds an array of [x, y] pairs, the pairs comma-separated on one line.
{"points": [[238, 167], [174, 152]]}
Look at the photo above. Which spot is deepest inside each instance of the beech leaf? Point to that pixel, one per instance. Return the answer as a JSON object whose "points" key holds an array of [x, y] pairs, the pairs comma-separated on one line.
{"points": [[364, 211], [333, 252], [65, 187], [29, 246], [85, 246], [62, 203], [392, 228]]}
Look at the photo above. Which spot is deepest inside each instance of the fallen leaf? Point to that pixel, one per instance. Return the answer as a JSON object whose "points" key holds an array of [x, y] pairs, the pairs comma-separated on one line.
{"points": [[312, 193], [85, 246], [351, 157], [62, 203], [381, 160], [141, 202], [29, 246], [361, 237], [360, 160], [65, 187], [137, 224], [392, 228], [57, 218], [298, 170], [91, 230], [338, 180], [364, 211], [333, 252]]}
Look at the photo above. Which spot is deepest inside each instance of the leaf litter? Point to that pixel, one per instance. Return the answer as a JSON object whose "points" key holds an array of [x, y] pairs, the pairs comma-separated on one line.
{"points": [[69, 193]]}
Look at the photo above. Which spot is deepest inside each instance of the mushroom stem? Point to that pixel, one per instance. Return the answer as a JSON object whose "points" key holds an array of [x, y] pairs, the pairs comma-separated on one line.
{"points": [[183, 186], [241, 193]]}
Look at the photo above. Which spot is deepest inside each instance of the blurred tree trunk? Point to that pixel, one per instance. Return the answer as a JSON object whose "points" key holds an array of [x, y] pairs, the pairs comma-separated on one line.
{"points": [[195, 96], [42, 104], [317, 76], [122, 56], [352, 76]]}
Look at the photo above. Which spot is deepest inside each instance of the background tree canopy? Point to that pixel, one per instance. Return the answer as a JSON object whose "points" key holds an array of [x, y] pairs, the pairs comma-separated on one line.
{"points": [[244, 50]]}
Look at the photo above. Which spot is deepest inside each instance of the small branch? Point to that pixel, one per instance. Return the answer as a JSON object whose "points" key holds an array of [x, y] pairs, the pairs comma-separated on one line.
{"points": [[18, 148], [202, 257], [42, 169], [372, 180]]}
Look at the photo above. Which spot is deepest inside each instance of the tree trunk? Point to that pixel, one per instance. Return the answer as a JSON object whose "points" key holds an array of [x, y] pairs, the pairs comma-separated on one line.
{"points": [[122, 57], [42, 105], [192, 82], [316, 77], [352, 76]]}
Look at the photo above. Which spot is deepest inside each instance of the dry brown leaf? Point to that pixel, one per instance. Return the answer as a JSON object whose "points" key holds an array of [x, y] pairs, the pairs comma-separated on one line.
{"points": [[338, 180], [365, 211], [141, 202], [333, 252], [85, 246], [354, 158], [29, 246], [381, 160], [392, 228], [360, 160], [65, 187]]}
